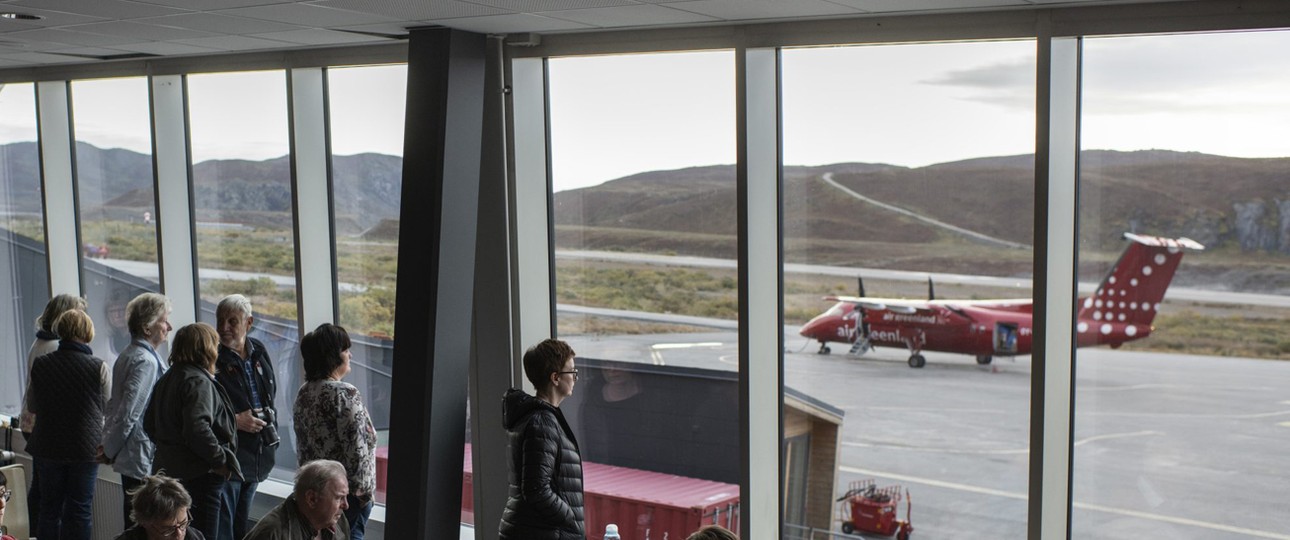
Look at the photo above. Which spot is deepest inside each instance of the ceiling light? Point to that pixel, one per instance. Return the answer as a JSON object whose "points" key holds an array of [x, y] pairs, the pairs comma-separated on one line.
{"points": [[19, 16]]}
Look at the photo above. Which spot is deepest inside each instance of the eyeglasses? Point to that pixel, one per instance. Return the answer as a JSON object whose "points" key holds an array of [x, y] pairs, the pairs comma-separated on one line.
{"points": [[574, 372], [176, 530], [5, 494]]}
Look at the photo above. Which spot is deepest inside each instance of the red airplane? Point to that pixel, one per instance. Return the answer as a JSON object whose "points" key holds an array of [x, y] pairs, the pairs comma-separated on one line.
{"points": [[1120, 310]]}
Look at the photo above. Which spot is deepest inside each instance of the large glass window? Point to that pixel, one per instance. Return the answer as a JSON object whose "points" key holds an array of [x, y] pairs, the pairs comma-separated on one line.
{"points": [[646, 283], [117, 206], [243, 207], [366, 114], [24, 279], [908, 224], [1185, 143]]}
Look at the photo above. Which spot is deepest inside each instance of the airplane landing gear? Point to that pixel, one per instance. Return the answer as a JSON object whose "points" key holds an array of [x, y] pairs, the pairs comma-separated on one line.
{"points": [[984, 359], [824, 348], [917, 361]]}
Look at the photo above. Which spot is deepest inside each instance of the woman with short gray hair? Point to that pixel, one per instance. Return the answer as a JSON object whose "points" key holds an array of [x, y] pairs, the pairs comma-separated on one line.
{"points": [[160, 508], [125, 446]]}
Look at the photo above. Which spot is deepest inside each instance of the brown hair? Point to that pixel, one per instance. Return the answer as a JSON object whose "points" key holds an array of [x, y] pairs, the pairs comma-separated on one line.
{"points": [[75, 325], [543, 359], [713, 532], [195, 344], [157, 498], [59, 305]]}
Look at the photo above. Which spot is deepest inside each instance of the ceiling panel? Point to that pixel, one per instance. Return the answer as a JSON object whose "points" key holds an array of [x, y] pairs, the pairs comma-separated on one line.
{"points": [[319, 36], [108, 9], [136, 32], [638, 15], [55, 35], [417, 11], [307, 15], [519, 22], [39, 58], [165, 48], [535, 6], [235, 43], [921, 5], [211, 5], [388, 29], [738, 10], [51, 18], [220, 24]]}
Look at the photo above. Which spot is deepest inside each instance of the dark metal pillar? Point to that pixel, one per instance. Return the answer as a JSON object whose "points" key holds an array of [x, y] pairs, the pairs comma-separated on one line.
{"points": [[438, 220]]}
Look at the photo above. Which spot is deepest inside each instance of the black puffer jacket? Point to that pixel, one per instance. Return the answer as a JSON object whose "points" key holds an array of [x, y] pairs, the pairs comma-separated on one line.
{"points": [[545, 472]]}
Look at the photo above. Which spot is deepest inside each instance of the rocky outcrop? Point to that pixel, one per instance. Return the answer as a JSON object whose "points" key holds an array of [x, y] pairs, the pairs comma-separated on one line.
{"points": [[1262, 225]]}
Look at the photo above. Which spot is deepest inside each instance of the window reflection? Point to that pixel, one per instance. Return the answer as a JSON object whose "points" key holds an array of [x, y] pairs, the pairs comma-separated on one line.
{"points": [[23, 267], [117, 206], [1184, 136], [366, 114], [641, 168], [907, 167], [243, 212]]}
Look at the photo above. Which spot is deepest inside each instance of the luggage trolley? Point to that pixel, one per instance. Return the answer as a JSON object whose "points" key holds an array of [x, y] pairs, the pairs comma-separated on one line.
{"points": [[868, 508]]}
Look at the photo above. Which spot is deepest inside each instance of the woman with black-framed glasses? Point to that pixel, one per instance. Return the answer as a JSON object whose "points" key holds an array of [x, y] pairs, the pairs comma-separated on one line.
{"points": [[4, 501], [545, 498], [159, 508]]}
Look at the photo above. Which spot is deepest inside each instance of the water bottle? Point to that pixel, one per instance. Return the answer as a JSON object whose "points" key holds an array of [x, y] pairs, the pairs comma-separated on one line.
{"points": [[611, 532]]}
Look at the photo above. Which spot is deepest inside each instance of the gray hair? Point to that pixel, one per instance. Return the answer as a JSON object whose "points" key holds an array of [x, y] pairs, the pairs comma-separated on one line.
{"points": [[234, 301], [144, 311], [316, 475], [157, 499]]}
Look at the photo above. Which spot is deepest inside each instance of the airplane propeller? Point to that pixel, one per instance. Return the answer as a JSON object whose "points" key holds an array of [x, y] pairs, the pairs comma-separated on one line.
{"points": [[931, 293]]}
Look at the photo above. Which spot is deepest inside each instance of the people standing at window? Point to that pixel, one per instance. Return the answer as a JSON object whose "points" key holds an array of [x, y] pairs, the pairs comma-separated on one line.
{"points": [[247, 374], [46, 342], [545, 499], [332, 423], [125, 446], [191, 422], [68, 393]]}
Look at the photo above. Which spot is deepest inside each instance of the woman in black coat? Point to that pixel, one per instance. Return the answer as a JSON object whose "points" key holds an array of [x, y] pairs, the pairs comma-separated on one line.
{"points": [[68, 392], [545, 501], [191, 422]]}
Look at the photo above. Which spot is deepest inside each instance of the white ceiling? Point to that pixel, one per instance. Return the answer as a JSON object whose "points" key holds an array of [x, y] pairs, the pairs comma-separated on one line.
{"points": [[88, 31]]}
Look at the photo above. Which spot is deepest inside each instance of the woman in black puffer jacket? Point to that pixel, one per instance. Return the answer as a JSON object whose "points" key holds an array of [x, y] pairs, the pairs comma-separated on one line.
{"points": [[545, 500]]}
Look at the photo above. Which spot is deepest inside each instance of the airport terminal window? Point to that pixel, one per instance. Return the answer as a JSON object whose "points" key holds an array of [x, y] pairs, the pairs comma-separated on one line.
{"points": [[116, 202], [642, 148], [1183, 137], [243, 211], [23, 266], [907, 168], [366, 115]]}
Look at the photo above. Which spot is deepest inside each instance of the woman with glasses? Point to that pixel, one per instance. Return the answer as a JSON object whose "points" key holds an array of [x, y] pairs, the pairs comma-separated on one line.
{"points": [[159, 509], [545, 499], [332, 423]]}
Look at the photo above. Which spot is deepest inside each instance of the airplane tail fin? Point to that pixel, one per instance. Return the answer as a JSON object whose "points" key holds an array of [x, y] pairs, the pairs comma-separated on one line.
{"points": [[1131, 292]]}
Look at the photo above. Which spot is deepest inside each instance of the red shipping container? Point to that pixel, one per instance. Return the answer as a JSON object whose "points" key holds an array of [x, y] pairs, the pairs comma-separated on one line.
{"points": [[645, 505]]}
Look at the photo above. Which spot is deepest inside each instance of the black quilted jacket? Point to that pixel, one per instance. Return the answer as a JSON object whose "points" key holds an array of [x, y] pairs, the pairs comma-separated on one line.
{"points": [[545, 500]]}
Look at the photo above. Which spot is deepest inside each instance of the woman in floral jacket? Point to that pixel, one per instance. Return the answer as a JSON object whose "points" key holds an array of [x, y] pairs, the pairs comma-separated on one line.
{"points": [[331, 421]]}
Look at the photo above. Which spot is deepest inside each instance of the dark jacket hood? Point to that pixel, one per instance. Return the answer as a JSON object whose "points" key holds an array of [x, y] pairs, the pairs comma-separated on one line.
{"points": [[517, 405]]}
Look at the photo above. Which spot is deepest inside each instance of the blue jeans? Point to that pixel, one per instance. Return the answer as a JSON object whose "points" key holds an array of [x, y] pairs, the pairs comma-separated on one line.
{"points": [[206, 491], [236, 500], [357, 515], [66, 498]]}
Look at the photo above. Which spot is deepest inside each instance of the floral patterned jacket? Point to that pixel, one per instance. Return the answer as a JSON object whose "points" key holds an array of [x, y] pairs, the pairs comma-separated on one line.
{"points": [[332, 423]]}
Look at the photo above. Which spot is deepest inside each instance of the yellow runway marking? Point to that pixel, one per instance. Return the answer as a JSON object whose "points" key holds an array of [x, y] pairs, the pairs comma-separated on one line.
{"points": [[1083, 506]]}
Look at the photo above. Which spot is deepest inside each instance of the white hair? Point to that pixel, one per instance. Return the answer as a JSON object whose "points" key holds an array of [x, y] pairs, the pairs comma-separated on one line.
{"points": [[234, 301]]}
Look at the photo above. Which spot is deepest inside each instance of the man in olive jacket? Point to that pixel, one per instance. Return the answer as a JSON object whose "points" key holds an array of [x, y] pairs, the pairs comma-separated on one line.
{"points": [[315, 508]]}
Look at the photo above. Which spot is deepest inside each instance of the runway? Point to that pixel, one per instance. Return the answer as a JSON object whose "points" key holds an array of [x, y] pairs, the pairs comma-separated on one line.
{"points": [[1166, 446]]}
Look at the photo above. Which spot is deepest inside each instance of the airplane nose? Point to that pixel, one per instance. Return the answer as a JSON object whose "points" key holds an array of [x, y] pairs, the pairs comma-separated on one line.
{"points": [[811, 329]]}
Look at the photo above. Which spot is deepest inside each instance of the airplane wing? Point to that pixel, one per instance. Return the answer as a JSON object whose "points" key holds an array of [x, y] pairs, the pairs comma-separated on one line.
{"points": [[894, 305]]}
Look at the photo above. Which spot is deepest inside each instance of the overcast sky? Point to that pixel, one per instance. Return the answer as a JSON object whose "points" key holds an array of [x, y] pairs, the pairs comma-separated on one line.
{"points": [[909, 105]]}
